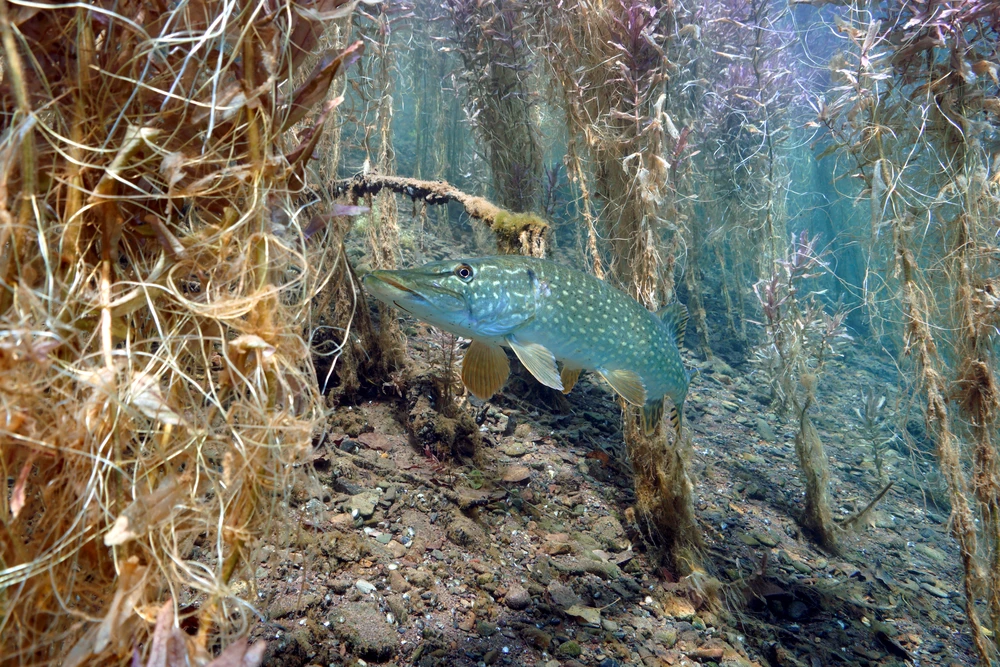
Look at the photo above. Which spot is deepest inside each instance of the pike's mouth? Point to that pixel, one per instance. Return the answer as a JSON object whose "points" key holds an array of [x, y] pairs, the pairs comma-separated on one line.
{"points": [[398, 285], [395, 284]]}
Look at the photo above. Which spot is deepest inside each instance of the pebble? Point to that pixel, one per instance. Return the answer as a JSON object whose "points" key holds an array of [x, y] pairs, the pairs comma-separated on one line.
{"points": [[398, 582], [934, 590], [678, 608], [340, 585], [365, 587], [514, 449], [363, 503], [365, 631], [517, 598], [571, 649], [563, 596], [765, 430], [765, 538]]}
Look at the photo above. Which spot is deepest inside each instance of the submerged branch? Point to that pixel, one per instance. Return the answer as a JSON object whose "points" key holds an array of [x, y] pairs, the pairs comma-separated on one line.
{"points": [[854, 520], [517, 233]]}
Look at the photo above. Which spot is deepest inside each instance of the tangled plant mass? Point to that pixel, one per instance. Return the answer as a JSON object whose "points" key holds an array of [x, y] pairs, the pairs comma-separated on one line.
{"points": [[160, 250]]}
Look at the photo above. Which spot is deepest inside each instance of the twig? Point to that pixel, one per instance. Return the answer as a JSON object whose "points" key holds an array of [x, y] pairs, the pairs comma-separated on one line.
{"points": [[852, 520]]}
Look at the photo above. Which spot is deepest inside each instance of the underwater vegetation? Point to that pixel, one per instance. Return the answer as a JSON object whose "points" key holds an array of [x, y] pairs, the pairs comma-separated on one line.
{"points": [[213, 441]]}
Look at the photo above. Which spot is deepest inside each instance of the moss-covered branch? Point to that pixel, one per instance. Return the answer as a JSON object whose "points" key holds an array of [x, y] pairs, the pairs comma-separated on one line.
{"points": [[517, 233]]}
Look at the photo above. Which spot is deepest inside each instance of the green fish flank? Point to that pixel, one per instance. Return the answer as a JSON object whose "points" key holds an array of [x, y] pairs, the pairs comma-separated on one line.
{"points": [[557, 320]]}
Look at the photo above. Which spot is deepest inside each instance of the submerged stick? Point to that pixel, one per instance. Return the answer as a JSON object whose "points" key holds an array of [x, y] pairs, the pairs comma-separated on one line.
{"points": [[517, 233], [857, 518]]}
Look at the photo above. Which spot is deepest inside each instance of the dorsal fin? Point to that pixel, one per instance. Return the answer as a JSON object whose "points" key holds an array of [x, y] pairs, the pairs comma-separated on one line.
{"points": [[675, 318]]}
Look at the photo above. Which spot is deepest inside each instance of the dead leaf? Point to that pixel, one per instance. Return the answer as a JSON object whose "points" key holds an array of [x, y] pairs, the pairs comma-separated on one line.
{"points": [[168, 648], [18, 496], [238, 654], [129, 588], [588, 615], [380, 441], [249, 342], [314, 89], [516, 474], [144, 394], [144, 512]]}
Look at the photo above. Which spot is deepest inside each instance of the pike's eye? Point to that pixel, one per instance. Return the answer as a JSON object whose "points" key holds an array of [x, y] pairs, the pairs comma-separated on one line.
{"points": [[464, 271]]}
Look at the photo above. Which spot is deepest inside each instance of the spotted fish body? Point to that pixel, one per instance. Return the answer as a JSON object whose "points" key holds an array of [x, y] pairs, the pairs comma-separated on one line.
{"points": [[547, 313]]}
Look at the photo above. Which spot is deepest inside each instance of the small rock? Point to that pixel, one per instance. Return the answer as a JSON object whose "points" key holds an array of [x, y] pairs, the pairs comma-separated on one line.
{"points": [[363, 503], [765, 538], [486, 629], [365, 587], [340, 585], [666, 637], [608, 531], [363, 628], [537, 638], [396, 549], [557, 543], [932, 553], [934, 590], [609, 625], [678, 608], [517, 598], [398, 582], [397, 605], [765, 431], [563, 596], [420, 578], [465, 532], [514, 449], [569, 649]]}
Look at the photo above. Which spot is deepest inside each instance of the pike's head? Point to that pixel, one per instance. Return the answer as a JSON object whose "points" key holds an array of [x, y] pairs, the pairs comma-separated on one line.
{"points": [[485, 298]]}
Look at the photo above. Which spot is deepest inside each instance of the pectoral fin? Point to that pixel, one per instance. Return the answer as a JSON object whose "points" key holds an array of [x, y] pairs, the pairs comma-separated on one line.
{"points": [[652, 414], [569, 376], [484, 369], [626, 383], [539, 362]]}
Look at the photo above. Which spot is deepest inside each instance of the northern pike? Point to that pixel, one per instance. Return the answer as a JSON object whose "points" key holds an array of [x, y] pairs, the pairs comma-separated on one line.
{"points": [[547, 313]]}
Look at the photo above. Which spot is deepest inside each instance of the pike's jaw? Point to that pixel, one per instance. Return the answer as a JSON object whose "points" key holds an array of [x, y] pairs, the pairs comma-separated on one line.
{"points": [[435, 304]]}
